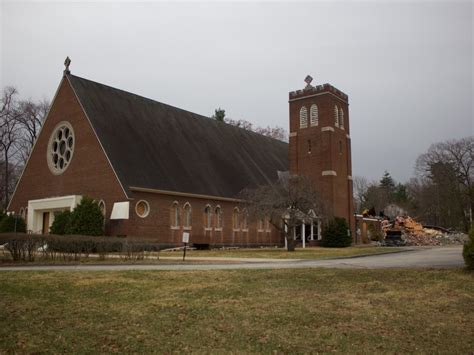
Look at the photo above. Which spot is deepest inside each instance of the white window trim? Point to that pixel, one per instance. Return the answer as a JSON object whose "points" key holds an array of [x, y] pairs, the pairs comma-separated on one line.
{"points": [[211, 212], [147, 209], [303, 124], [216, 219], [190, 215], [105, 207], [174, 205], [316, 121]]}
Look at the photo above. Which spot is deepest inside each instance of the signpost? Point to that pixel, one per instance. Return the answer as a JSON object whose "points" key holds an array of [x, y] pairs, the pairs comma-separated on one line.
{"points": [[185, 241]]}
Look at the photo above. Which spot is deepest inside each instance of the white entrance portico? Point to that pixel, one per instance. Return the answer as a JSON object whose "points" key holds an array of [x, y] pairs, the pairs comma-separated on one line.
{"points": [[41, 212]]}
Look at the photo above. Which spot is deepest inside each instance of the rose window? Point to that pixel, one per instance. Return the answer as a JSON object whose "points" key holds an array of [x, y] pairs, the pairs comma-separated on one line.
{"points": [[61, 148]]}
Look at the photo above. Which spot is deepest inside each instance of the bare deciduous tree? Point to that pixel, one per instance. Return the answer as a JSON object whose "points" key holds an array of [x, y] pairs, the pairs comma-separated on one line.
{"points": [[9, 136], [20, 123], [273, 132], [447, 162], [31, 120], [285, 203], [360, 186]]}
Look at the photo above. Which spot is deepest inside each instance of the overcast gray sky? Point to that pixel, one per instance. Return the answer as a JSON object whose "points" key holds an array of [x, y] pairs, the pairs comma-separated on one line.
{"points": [[406, 66]]}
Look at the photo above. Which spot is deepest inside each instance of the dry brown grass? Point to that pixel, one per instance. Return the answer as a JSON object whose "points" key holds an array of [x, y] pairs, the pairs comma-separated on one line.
{"points": [[292, 311], [279, 253]]}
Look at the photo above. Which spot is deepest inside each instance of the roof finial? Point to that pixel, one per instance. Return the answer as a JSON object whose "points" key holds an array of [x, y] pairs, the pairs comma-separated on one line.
{"points": [[308, 81], [67, 62]]}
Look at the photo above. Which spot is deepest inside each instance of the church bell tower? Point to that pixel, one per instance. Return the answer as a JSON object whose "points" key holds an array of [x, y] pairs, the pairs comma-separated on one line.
{"points": [[320, 145]]}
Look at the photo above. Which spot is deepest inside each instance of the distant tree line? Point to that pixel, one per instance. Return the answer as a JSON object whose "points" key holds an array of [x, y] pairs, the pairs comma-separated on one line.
{"points": [[20, 123], [441, 192], [274, 132]]}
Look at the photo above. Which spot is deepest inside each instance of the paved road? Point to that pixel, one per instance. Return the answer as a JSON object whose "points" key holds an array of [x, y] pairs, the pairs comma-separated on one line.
{"points": [[436, 257]]}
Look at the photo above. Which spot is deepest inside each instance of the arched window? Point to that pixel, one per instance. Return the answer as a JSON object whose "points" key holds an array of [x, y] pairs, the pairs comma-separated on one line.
{"points": [[187, 215], [235, 218], [341, 118], [314, 115], [102, 207], [175, 214], [303, 117], [336, 116], [245, 220], [267, 224], [208, 217], [260, 223], [218, 213]]}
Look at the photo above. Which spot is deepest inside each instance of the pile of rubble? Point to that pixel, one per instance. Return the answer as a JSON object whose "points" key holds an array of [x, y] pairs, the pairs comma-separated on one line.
{"points": [[415, 234]]}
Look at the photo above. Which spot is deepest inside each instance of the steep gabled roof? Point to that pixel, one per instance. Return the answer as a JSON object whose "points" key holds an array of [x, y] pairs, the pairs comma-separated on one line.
{"points": [[157, 146]]}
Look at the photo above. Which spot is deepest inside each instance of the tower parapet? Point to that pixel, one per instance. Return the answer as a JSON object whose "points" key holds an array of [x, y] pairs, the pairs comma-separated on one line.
{"points": [[318, 89]]}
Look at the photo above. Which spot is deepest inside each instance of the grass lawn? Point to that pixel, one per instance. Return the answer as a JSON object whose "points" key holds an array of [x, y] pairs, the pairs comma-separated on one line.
{"points": [[279, 253], [292, 311]]}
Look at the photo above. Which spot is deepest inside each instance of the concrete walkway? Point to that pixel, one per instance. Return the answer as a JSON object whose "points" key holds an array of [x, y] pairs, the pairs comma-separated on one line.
{"points": [[435, 257]]}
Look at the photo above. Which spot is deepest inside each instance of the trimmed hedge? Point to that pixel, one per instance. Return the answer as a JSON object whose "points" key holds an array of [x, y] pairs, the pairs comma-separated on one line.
{"points": [[28, 247], [468, 251], [336, 235]]}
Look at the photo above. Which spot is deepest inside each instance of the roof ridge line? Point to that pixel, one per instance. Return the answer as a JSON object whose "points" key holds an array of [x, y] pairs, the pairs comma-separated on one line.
{"points": [[175, 107]]}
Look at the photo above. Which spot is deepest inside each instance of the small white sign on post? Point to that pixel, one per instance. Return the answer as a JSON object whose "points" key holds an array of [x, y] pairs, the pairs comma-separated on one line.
{"points": [[185, 242], [185, 237]]}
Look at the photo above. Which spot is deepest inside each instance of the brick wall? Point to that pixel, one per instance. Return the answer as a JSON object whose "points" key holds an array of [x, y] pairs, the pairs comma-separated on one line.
{"points": [[157, 224], [89, 172], [330, 148]]}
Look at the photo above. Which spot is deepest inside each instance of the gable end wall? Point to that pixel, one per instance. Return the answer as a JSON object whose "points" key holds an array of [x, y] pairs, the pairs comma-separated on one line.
{"points": [[89, 172]]}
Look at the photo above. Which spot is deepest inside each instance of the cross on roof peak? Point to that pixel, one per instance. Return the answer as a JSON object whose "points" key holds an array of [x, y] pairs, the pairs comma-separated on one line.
{"points": [[67, 63]]}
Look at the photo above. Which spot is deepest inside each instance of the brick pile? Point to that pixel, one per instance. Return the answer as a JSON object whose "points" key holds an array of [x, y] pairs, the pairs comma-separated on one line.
{"points": [[416, 235]]}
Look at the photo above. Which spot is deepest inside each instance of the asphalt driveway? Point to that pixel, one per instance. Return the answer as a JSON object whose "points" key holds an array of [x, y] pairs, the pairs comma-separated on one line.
{"points": [[421, 257]]}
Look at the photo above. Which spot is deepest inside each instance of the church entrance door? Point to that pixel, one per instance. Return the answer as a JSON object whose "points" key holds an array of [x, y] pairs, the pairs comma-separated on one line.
{"points": [[45, 223]]}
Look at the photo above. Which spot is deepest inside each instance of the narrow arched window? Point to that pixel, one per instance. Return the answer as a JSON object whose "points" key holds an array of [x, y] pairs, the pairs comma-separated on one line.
{"points": [[303, 117], [267, 224], [102, 207], [187, 215], [175, 214], [218, 213], [314, 115], [336, 116], [208, 217], [244, 219], [260, 223], [341, 118], [236, 218]]}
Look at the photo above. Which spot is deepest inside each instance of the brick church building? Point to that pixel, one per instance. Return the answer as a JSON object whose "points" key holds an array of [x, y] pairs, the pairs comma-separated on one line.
{"points": [[158, 171]]}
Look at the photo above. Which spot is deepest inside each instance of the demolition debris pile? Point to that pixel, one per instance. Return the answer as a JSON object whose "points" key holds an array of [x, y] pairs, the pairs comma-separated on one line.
{"points": [[415, 234]]}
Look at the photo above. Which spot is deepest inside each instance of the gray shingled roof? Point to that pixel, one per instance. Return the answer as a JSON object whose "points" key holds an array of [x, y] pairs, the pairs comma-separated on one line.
{"points": [[157, 146]]}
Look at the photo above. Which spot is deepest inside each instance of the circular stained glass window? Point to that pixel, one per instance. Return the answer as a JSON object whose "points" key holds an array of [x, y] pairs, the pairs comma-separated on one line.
{"points": [[142, 208], [61, 148]]}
